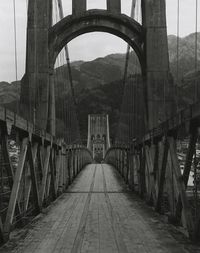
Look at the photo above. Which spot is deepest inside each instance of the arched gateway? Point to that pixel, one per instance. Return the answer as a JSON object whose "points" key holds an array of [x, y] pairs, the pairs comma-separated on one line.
{"points": [[44, 42]]}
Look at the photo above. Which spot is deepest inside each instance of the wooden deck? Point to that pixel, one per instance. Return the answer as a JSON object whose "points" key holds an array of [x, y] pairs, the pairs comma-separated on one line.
{"points": [[98, 214]]}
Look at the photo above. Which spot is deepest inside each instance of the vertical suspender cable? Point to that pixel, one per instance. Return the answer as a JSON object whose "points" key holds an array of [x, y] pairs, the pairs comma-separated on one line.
{"points": [[122, 118], [196, 51], [196, 99], [177, 48], [67, 53], [128, 47], [27, 4], [15, 39], [68, 65]]}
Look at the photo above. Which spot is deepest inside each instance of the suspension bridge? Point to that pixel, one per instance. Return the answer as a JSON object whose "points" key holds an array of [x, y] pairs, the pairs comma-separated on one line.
{"points": [[62, 190]]}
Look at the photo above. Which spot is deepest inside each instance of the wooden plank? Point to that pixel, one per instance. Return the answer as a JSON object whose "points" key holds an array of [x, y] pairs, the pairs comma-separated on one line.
{"points": [[181, 187], [152, 157], [132, 170], [141, 171], [45, 173], [135, 164], [72, 164], [9, 166], [150, 165], [41, 158], [158, 153], [147, 175], [68, 166], [171, 187], [61, 180], [53, 178], [48, 184], [27, 196], [58, 169], [16, 186], [127, 166], [187, 169], [162, 177], [32, 158], [122, 163]]}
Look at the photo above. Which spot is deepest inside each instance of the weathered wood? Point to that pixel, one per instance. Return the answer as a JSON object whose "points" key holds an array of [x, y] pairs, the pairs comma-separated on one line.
{"points": [[152, 157], [150, 165], [147, 176], [157, 167], [132, 169], [45, 173], [136, 170], [75, 163], [9, 167], [41, 159], [187, 169], [27, 196], [142, 187], [32, 157], [53, 178], [170, 187], [162, 177], [16, 186], [48, 183], [68, 166], [89, 222], [121, 163], [126, 166], [181, 187], [58, 169], [72, 164]]}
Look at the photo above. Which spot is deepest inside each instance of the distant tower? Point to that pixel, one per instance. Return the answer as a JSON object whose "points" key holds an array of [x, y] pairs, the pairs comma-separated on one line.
{"points": [[98, 135]]}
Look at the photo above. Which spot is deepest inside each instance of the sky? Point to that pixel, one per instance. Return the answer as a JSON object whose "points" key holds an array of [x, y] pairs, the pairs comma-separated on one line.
{"points": [[85, 47]]}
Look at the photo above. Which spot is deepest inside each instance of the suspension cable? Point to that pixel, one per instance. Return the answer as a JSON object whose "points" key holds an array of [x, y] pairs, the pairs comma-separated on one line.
{"points": [[60, 7], [15, 39], [61, 14], [128, 47], [27, 2], [122, 117], [177, 49], [196, 51]]}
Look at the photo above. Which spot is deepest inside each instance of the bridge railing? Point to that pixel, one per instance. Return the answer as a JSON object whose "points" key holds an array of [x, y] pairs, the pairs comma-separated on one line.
{"points": [[165, 172], [35, 168]]}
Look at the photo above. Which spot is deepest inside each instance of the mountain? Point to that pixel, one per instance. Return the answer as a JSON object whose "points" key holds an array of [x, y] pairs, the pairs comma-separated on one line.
{"points": [[98, 72], [187, 48], [98, 83]]}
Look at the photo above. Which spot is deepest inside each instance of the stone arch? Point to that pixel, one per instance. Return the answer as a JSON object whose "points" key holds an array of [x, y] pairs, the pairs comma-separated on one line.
{"points": [[92, 21]]}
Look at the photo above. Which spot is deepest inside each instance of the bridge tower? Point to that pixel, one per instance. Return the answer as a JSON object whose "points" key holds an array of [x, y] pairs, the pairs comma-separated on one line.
{"points": [[98, 135], [44, 42]]}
